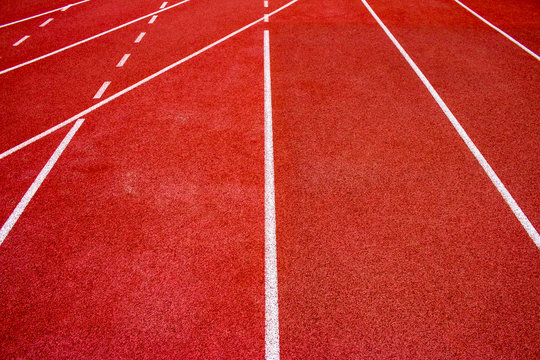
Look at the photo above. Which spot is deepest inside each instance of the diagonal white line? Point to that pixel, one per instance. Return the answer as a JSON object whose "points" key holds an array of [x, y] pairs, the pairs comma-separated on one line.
{"points": [[137, 84], [46, 22], [44, 13], [472, 147], [8, 225]]}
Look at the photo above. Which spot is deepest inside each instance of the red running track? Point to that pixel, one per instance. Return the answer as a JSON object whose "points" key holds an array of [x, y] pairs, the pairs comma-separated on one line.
{"points": [[146, 240]]}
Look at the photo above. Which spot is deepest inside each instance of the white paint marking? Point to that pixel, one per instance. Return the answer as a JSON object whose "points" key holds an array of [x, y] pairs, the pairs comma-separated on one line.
{"points": [[38, 15], [21, 40], [87, 39], [136, 85], [17, 212], [152, 19], [472, 147], [102, 89], [123, 60], [270, 253], [265, 17], [139, 38], [523, 47], [265, 3], [65, 7], [46, 22], [163, 5]]}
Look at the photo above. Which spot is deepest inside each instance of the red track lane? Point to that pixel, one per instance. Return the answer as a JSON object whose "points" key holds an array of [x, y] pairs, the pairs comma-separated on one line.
{"points": [[46, 93], [489, 83], [147, 238], [392, 241], [76, 24], [16, 10]]}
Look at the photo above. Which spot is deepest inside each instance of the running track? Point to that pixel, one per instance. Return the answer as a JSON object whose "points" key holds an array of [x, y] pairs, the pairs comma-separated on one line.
{"points": [[338, 180]]}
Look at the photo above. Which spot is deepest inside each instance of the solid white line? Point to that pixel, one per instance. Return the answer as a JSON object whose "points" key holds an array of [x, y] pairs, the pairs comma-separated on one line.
{"points": [[265, 17], [270, 253], [8, 225], [38, 15], [139, 38], [136, 85], [46, 22], [265, 3], [151, 21], [21, 40], [87, 39], [472, 147], [102, 89], [123, 60], [523, 47], [163, 5]]}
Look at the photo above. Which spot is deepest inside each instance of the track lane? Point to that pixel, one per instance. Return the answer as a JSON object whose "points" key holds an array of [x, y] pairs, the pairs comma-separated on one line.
{"points": [[14, 11], [392, 241]]}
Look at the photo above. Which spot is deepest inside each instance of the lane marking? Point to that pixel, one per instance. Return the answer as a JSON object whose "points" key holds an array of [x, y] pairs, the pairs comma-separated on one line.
{"points": [[136, 85], [123, 60], [265, 17], [139, 38], [152, 19], [270, 253], [523, 47], [65, 7], [38, 15], [88, 39], [8, 225], [102, 89], [265, 3], [21, 40], [472, 147], [46, 22], [163, 5]]}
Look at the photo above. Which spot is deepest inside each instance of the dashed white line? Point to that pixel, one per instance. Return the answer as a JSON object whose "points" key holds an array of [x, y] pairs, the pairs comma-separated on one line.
{"points": [[472, 147], [17, 212], [38, 15], [523, 47], [163, 5], [21, 40], [102, 89], [46, 22], [151, 21], [266, 18], [123, 60], [88, 39], [270, 252], [134, 86], [66, 7], [139, 38], [265, 3]]}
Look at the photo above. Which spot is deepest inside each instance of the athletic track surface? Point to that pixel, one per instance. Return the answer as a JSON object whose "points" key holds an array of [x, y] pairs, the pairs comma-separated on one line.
{"points": [[250, 179]]}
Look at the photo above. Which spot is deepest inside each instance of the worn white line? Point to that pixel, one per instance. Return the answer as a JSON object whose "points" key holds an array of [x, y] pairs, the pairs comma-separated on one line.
{"points": [[151, 21], [265, 3], [21, 40], [88, 39], [472, 147], [23, 203], [38, 15], [46, 22], [265, 17], [523, 47], [123, 60], [270, 252], [102, 89], [139, 38], [136, 85], [163, 5]]}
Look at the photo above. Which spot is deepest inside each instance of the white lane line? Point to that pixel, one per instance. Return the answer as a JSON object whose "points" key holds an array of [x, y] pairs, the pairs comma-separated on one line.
{"points": [[123, 60], [523, 47], [266, 18], [88, 39], [38, 15], [270, 254], [472, 147], [265, 3], [136, 85], [163, 5], [102, 89], [21, 40], [46, 22], [17, 212], [151, 21], [139, 38], [65, 7]]}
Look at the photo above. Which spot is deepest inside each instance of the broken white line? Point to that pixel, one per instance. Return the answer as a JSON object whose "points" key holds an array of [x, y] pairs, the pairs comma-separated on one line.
{"points": [[153, 19], [265, 3], [139, 38], [102, 89], [46, 22], [21, 40], [123, 60], [163, 5], [265, 17]]}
